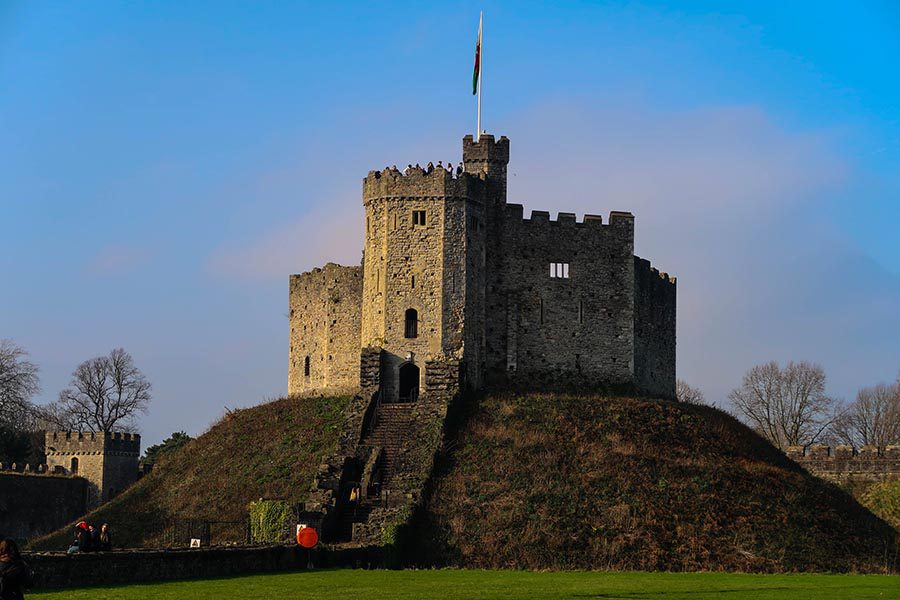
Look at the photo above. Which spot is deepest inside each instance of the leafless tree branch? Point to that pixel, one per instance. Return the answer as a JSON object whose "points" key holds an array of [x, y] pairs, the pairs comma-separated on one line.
{"points": [[788, 406], [18, 383], [106, 393]]}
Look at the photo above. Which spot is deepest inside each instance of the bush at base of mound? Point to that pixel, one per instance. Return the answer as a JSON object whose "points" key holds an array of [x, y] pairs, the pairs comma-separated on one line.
{"points": [[543, 481], [268, 451]]}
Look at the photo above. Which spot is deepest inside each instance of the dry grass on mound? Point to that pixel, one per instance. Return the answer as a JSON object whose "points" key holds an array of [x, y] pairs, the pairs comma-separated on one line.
{"points": [[544, 481], [270, 451]]}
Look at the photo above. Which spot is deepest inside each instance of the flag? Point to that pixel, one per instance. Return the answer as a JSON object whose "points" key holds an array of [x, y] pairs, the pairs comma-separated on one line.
{"points": [[477, 59]]}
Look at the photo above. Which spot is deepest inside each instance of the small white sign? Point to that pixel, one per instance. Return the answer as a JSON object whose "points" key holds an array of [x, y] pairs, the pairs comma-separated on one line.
{"points": [[195, 542], [301, 526]]}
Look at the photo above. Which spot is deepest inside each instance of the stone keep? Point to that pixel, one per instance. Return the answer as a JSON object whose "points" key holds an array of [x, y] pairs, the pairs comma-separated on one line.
{"points": [[455, 280], [108, 461]]}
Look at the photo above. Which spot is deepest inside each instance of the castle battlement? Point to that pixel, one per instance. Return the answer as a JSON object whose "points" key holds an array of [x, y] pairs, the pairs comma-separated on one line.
{"points": [[516, 212], [453, 273], [486, 149], [846, 463], [822, 452], [108, 460], [58, 443], [439, 184]]}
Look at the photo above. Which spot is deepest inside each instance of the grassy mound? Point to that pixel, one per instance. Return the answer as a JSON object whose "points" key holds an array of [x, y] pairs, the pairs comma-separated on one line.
{"points": [[271, 451], [544, 481]]}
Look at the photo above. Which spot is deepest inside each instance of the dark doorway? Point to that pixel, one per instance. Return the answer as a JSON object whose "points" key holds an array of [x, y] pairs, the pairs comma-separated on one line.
{"points": [[74, 466], [409, 383]]}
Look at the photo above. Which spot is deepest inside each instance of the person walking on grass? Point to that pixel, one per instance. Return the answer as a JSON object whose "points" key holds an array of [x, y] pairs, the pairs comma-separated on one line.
{"points": [[15, 574]]}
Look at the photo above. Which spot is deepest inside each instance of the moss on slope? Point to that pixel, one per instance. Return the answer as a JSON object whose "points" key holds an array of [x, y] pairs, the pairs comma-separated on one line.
{"points": [[544, 481], [271, 450]]}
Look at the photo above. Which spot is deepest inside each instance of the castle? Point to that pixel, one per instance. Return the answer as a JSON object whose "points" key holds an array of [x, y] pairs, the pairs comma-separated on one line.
{"points": [[108, 461], [83, 470], [457, 290]]}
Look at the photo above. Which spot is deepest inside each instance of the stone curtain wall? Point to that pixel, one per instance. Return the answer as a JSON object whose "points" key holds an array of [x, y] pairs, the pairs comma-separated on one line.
{"points": [[654, 330], [109, 461], [55, 570], [58, 570], [325, 307], [573, 331], [32, 505], [843, 464]]}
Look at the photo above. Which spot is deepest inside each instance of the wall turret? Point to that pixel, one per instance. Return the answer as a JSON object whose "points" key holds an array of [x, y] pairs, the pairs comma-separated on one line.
{"points": [[488, 158]]}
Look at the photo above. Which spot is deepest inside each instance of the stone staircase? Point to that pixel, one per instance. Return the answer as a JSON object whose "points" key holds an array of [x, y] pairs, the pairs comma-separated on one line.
{"points": [[391, 433], [393, 424]]}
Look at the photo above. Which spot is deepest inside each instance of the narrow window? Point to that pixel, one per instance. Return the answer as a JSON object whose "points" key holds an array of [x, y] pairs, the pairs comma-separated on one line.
{"points": [[367, 225], [419, 217], [542, 311], [395, 221], [581, 311], [414, 282], [306, 367], [74, 466], [578, 363], [559, 270], [412, 324]]}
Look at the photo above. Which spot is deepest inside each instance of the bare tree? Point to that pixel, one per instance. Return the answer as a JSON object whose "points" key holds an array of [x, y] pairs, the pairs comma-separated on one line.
{"points": [[788, 406], [684, 392], [55, 417], [18, 383], [873, 419], [106, 392]]}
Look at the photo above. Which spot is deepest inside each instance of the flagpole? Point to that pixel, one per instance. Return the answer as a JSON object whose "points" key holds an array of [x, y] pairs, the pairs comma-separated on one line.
{"points": [[480, 71]]}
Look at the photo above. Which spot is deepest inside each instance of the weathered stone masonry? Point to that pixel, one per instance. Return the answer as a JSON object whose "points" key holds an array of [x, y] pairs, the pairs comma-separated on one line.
{"points": [[845, 464], [477, 276], [458, 290], [109, 461]]}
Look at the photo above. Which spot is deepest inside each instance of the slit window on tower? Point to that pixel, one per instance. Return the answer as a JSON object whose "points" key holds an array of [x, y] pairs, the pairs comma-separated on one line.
{"points": [[411, 330], [581, 311], [306, 366], [559, 270], [418, 217], [413, 281]]}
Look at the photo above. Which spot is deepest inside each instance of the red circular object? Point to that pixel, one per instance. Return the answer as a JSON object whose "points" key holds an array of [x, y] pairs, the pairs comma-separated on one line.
{"points": [[307, 537]]}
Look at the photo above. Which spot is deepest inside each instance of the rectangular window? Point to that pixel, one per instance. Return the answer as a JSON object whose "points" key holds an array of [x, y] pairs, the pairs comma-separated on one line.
{"points": [[419, 217], [559, 270]]}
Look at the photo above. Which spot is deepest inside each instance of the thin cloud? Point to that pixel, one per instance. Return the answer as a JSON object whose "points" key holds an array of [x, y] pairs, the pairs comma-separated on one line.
{"points": [[330, 233], [118, 259]]}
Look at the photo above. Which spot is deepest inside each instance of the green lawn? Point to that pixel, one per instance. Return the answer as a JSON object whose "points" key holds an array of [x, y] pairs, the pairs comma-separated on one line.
{"points": [[468, 585]]}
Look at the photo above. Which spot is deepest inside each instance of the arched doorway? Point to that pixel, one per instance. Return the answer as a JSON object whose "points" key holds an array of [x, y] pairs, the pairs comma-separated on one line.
{"points": [[74, 466], [409, 383]]}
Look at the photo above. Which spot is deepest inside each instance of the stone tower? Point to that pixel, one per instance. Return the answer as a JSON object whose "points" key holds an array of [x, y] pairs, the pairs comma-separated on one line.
{"points": [[458, 289], [109, 461], [423, 265]]}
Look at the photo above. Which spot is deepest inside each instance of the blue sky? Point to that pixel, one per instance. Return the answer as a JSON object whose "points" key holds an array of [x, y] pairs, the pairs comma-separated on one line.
{"points": [[165, 166]]}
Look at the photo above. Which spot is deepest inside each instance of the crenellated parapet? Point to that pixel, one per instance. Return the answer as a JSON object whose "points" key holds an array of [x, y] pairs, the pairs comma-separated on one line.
{"points": [[58, 443], [846, 463], [618, 220], [486, 150], [419, 183]]}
